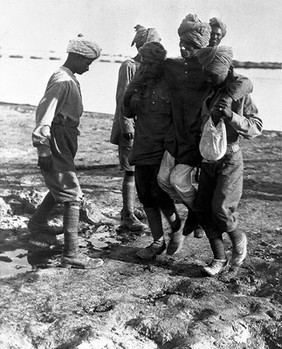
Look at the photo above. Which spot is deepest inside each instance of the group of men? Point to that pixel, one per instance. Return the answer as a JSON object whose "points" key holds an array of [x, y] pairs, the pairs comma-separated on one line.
{"points": [[162, 106]]}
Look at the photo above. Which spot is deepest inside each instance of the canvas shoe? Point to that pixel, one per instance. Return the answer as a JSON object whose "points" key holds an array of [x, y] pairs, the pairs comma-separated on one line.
{"points": [[151, 251], [132, 223], [239, 252], [140, 213], [81, 261], [215, 267]]}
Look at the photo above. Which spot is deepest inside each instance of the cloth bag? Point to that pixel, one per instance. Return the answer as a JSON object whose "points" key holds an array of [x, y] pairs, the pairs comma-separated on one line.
{"points": [[213, 143]]}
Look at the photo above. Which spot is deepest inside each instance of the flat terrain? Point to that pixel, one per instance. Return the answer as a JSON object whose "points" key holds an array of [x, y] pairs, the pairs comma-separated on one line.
{"points": [[128, 303]]}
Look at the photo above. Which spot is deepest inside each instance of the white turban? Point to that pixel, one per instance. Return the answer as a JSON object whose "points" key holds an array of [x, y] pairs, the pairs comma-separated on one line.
{"points": [[192, 30], [84, 47], [144, 35], [217, 22], [216, 59]]}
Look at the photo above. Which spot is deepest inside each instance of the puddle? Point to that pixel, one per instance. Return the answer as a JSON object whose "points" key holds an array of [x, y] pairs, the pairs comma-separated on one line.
{"points": [[14, 262], [20, 261]]}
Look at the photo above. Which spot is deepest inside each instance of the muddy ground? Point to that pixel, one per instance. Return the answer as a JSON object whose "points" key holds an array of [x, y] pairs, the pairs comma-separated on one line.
{"points": [[129, 303]]}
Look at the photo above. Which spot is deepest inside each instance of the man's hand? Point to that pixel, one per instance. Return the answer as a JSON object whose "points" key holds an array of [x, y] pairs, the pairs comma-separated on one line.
{"points": [[226, 113], [223, 108], [128, 136], [45, 163]]}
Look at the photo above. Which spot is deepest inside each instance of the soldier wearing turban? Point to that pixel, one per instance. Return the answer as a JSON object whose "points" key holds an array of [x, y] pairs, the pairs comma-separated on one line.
{"points": [[221, 181], [55, 137], [194, 32], [123, 130], [218, 31], [189, 88], [147, 99], [84, 47], [216, 59], [144, 35]]}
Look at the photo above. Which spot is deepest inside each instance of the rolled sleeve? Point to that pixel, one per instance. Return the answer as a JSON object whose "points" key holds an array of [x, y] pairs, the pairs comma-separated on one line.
{"points": [[45, 113], [41, 140]]}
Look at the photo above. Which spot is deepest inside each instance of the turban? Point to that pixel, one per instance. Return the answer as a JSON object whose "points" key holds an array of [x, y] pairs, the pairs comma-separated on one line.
{"points": [[216, 22], [84, 47], [144, 35], [192, 30], [217, 59], [153, 51]]}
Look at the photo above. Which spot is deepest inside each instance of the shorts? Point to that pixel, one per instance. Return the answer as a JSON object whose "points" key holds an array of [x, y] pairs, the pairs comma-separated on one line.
{"points": [[124, 149], [64, 186]]}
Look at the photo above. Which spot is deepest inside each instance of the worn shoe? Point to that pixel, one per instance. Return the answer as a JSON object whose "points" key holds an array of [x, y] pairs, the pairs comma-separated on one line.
{"points": [[175, 243], [81, 261], [44, 228], [215, 267], [132, 223], [140, 213], [199, 232], [239, 252], [151, 251]]}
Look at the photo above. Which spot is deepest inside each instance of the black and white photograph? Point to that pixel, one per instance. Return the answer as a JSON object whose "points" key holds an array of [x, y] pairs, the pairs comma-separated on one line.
{"points": [[140, 174]]}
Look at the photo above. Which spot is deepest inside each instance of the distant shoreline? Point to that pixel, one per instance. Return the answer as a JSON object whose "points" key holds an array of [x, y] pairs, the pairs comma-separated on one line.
{"points": [[257, 65]]}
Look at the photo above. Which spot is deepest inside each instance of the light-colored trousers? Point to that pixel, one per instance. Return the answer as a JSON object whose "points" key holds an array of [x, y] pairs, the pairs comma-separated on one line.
{"points": [[176, 180]]}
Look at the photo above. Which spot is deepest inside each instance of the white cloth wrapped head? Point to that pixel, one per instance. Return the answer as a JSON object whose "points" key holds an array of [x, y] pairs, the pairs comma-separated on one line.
{"points": [[84, 47], [193, 31], [144, 35], [217, 22], [217, 59]]}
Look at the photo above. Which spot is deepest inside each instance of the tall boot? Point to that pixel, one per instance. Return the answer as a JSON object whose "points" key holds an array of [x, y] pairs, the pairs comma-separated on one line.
{"points": [[155, 223], [128, 218], [38, 222], [71, 256], [239, 247]]}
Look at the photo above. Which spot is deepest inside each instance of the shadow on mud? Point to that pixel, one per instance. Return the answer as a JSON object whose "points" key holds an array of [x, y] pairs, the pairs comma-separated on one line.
{"points": [[127, 254]]}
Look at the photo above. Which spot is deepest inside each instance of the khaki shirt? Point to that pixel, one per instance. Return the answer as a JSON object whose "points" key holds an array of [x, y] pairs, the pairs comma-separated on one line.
{"points": [[62, 99]]}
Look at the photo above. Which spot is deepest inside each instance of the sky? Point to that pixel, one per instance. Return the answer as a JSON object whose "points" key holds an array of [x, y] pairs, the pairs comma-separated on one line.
{"points": [[254, 27]]}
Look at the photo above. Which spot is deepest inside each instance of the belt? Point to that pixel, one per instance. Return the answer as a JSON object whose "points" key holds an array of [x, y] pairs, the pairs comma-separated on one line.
{"points": [[65, 121]]}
